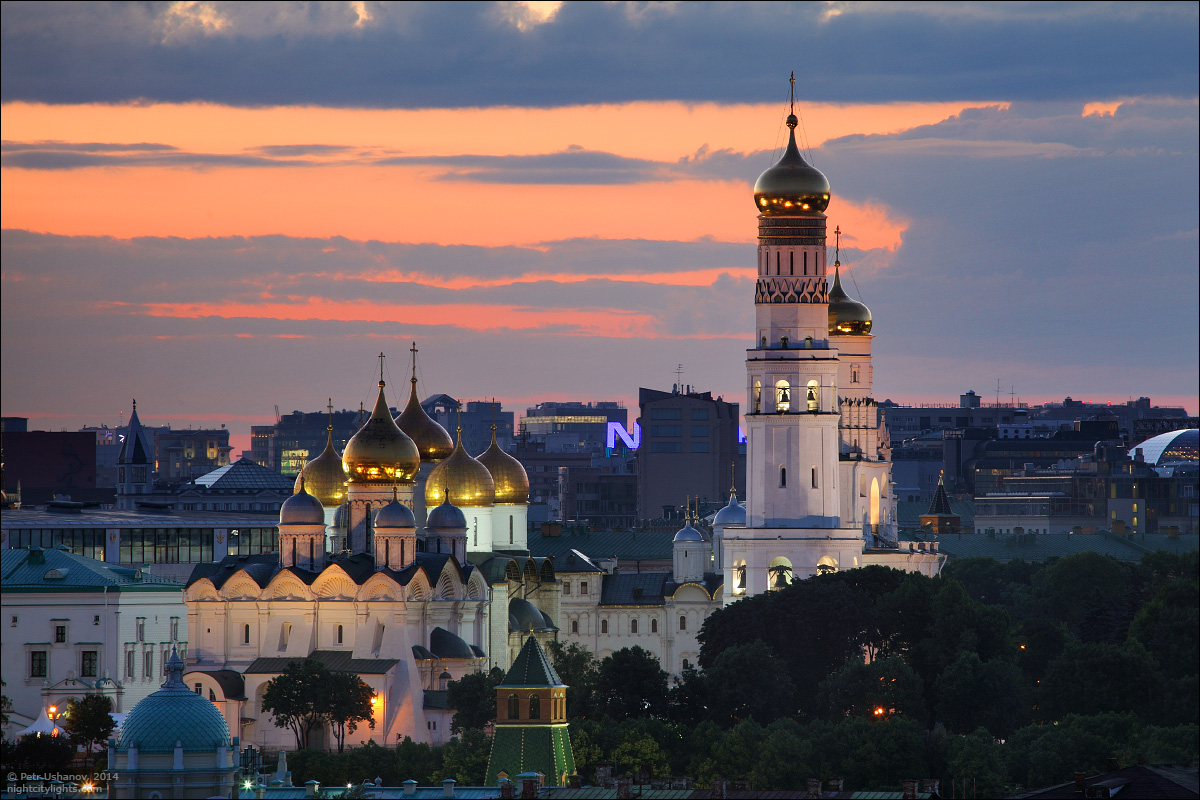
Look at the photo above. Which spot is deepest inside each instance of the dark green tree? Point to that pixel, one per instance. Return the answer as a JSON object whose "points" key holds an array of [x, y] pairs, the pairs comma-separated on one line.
{"points": [[465, 758], [630, 683], [977, 768], [36, 755], [1094, 678], [732, 698], [577, 668], [473, 699], [5, 706], [883, 689], [294, 698], [640, 752], [689, 697], [1085, 584], [89, 722], [346, 701], [972, 693]]}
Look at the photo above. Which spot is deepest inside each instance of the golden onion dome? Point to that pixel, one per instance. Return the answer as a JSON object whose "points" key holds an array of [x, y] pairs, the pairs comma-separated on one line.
{"points": [[432, 440], [512, 482], [847, 317], [380, 452], [325, 476], [467, 482], [791, 187]]}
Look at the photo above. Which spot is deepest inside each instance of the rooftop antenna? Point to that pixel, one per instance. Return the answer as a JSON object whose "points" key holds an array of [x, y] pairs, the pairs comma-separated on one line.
{"points": [[679, 378], [997, 392]]}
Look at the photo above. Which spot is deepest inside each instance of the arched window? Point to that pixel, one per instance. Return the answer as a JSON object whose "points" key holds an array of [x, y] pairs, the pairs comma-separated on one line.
{"points": [[510, 529], [246, 634], [654, 626], [633, 626], [792, 262], [686, 665], [535, 707], [814, 477], [574, 626], [783, 396], [604, 626], [683, 622], [341, 633], [757, 397], [782, 477], [514, 706], [813, 403], [475, 530]]}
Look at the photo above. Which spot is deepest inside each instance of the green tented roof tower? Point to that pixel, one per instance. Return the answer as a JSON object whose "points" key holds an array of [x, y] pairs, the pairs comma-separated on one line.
{"points": [[531, 721]]}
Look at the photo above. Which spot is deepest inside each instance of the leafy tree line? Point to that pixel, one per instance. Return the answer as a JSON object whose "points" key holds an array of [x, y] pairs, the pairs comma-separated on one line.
{"points": [[997, 674]]}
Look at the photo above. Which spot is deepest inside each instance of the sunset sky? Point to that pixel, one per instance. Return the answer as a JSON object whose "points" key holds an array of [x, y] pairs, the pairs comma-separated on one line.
{"points": [[220, 208]]}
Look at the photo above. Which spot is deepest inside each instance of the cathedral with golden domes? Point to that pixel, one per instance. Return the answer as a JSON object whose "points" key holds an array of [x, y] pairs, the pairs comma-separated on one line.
{"points": [[403, 559]]}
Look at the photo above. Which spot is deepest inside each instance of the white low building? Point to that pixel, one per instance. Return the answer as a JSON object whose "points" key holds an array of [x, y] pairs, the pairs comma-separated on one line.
{"points": [[76, 626]]}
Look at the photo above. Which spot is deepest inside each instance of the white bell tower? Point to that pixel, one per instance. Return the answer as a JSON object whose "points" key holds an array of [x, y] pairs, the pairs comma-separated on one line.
{"points": [[793, 505]]}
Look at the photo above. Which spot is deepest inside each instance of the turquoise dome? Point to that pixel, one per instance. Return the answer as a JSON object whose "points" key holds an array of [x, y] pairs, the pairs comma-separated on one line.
{"points": [[174, 714]]}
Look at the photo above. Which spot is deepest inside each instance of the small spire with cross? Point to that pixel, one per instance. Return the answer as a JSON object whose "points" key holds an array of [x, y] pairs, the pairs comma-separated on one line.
{"points": [[837, 245], [381, 369], [413, 350], [792, 93], [331, 415]]}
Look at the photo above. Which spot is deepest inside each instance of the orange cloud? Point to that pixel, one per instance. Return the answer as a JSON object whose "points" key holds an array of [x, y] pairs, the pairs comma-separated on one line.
{"points": [[342, 196], [695, 277], [591, 322]]}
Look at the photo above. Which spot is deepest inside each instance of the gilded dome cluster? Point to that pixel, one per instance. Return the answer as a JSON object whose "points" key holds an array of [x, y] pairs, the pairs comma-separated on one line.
{"points": [[468, 482], [380, 452], [509, 477], [431, 439], [792, 186], [325, 476], [847, 317]]}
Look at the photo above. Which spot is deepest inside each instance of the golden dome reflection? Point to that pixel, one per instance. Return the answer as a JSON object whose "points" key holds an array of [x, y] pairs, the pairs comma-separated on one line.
{"points": [[510, 478], [325, 476], [847, 317], [432, 440], [380, 452], [469, 483], [791, 186]]}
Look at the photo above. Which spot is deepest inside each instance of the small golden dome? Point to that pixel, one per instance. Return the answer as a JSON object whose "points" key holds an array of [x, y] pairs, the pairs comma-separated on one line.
{"points": [[791, 187], [468, 482], [380, 452], [432, 440], [847, 317], [325, 476], [512, 482]]}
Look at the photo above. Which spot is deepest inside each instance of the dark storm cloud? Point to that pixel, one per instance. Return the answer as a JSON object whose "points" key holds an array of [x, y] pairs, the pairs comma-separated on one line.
{"points": [[460, 54]]}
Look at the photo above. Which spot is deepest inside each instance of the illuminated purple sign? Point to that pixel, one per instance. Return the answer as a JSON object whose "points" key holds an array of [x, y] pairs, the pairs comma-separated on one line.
{"points": [[633, 442], [616, 429]]}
